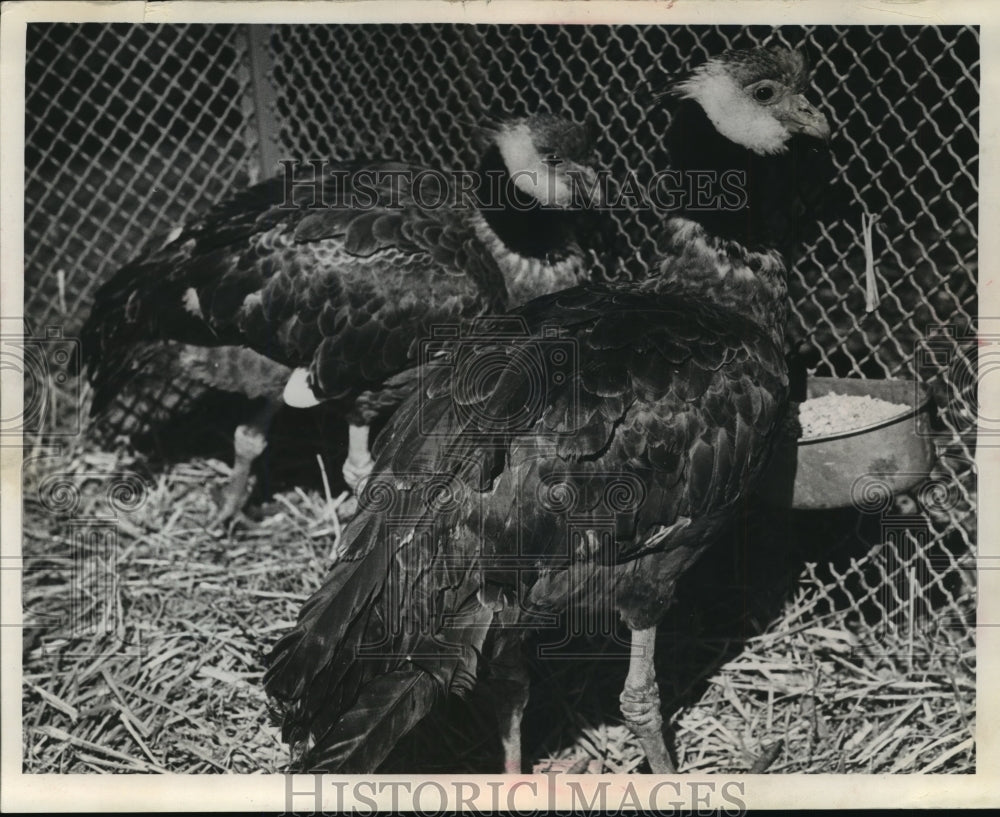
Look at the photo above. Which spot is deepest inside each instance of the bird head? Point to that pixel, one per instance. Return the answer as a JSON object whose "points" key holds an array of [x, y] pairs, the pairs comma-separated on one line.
{"points": [[755, 98], [548, 158]]}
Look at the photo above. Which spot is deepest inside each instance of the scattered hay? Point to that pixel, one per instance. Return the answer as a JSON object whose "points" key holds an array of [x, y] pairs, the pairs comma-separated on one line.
{"points": [[151, 654], [167, 676]]}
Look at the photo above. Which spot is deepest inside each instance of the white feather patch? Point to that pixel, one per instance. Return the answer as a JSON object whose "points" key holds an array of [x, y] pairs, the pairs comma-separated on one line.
{"points": [[734, 114], [172, 236], [528, 169], [297, 392], [191, 302]]}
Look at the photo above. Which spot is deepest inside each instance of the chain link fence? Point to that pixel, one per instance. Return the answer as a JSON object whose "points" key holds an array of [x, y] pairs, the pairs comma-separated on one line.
{"points": [[130, 129]]}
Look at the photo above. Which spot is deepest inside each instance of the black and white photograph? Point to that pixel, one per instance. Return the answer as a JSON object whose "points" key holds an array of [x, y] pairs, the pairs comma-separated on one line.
{"points": [[533, 405]]}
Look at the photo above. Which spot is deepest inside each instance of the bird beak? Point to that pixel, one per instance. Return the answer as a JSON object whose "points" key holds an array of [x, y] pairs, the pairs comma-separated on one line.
{"points": [[801, 116], [648, 94], [484, 130]]}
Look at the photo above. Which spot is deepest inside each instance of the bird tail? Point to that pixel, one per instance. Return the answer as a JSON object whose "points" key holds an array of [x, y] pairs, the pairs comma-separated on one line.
{"points": [[187, 288], [143, 302], [115, 322], [392, 628]]}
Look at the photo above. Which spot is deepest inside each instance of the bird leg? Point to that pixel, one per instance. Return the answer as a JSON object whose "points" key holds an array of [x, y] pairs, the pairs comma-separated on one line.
{"points": [[509, 680], [249, 442], [640, 702], [358, 464], [509, 677]]}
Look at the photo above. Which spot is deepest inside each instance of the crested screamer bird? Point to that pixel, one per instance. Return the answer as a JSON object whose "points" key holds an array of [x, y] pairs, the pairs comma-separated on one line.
{"points": [[323, 291], [581, 452]]}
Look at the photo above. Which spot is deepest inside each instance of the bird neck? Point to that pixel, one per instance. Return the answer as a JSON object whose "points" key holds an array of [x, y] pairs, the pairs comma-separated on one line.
{"points": [[732, 251], [769, 201], [531, 231], [536, 249]]}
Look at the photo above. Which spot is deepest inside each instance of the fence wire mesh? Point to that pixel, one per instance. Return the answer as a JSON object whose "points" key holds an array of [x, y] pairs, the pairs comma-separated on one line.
{"points": [[130, 129]]}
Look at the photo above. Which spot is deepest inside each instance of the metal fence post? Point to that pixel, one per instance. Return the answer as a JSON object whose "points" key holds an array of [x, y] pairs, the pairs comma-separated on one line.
{"points": [[265, 114]]}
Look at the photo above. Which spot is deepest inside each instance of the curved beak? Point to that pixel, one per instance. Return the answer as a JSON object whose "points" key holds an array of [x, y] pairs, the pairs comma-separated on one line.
{"points": [[648, 94], [801, 116], [483, 131]]}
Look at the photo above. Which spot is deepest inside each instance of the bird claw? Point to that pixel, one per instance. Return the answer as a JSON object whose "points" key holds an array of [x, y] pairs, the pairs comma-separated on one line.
{"points": [[581, 765], [641, 710], [223, 526], [640, 706], [224, 522], [640, 720]]}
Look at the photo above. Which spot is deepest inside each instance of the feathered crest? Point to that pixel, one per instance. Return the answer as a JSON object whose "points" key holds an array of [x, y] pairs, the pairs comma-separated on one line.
{"points": [[749, 65], [774, 62], [572, 140]]}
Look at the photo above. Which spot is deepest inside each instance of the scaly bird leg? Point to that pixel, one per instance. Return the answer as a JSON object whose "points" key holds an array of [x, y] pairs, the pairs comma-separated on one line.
{"points": [[511, 683], [509, 680], [358, 464], [249, 442], [640, 702]]}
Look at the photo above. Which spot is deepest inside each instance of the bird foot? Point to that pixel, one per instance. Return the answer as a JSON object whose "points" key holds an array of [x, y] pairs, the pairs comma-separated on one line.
{"points": [[583, 765], [356, 470], [249, 443], [224, 523], [640, 706], [641, 709], [228, 502]]}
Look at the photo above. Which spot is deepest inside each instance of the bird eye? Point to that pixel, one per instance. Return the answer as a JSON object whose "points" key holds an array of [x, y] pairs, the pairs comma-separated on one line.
{"points": [[764, 93]]}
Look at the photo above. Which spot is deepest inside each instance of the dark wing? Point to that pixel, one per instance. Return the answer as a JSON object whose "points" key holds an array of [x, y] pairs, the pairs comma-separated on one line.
{"points": [[671, 399], [674, 393], [344, 287]]}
